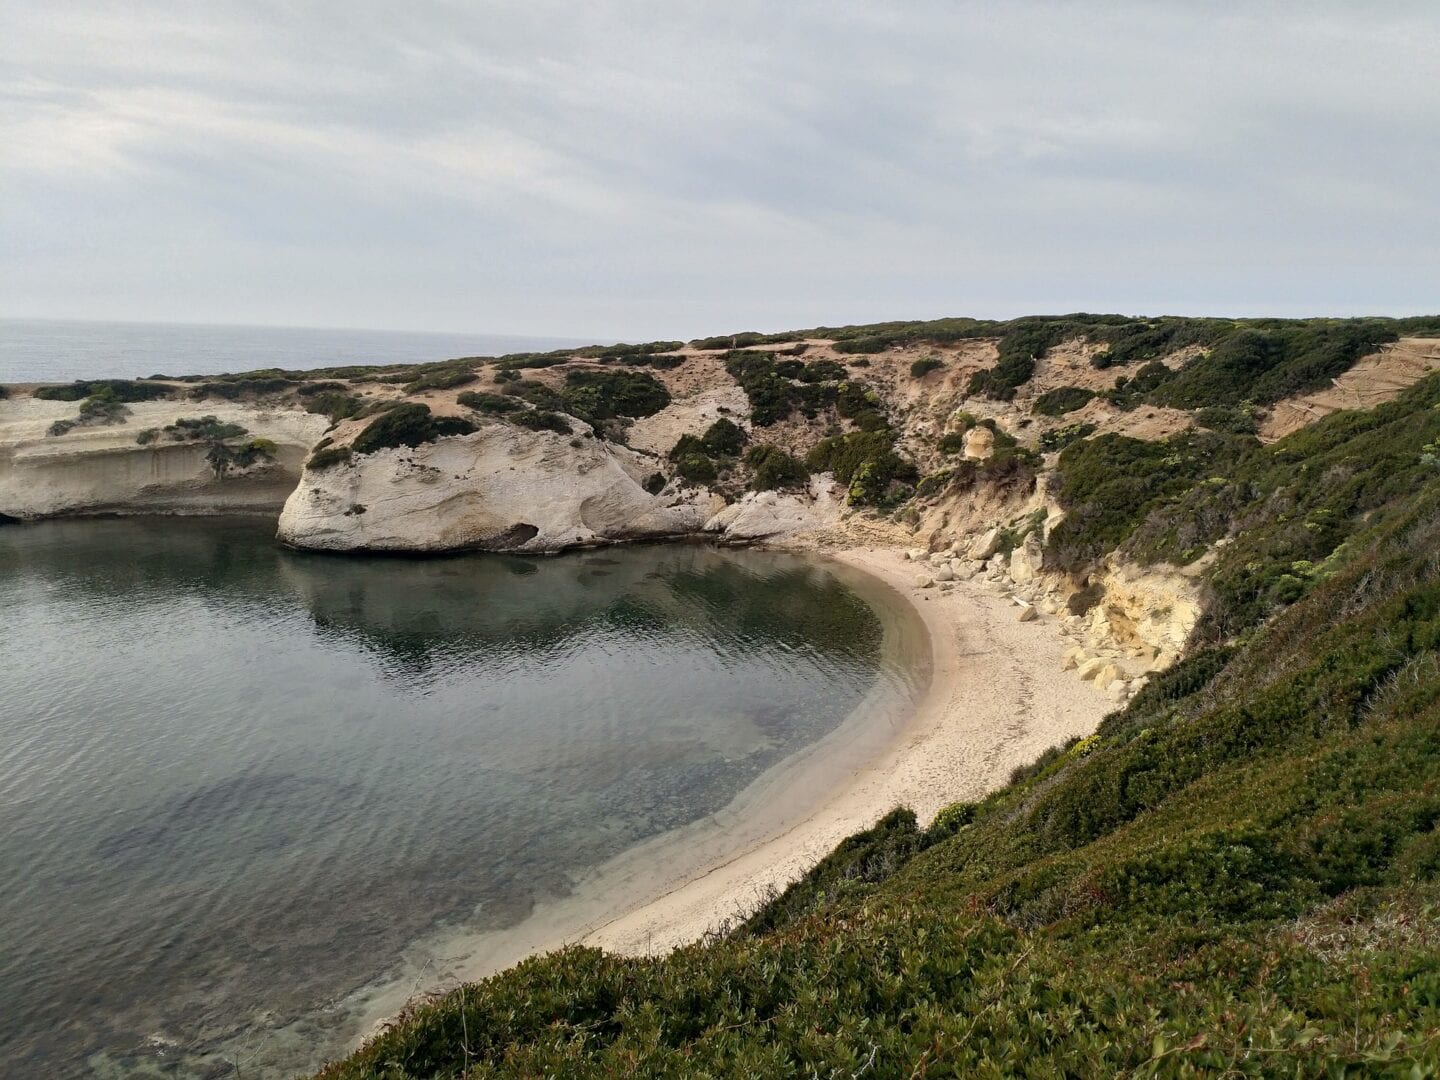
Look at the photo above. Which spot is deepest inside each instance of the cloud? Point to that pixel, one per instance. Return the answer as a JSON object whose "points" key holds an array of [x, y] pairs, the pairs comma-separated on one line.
{"points": [[649, 169]]}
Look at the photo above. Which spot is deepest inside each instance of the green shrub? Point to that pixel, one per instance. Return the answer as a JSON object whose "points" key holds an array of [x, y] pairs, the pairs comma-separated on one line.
{"points": [[866, 462], [1062, 400], [952, 442], [489, 403], [334, 404], [125, 391], [768, 387], [202, 429], [1265, 365], [696, 468], [240, 388], [774, 468], [310, 389], [926, 364], [1239, 420], [604, 395], [410, 425], [1059, 438], [544, 420], [328, 457], [445, 379], [723, 438], [655, 483], [822, 371], [1131, 391]]}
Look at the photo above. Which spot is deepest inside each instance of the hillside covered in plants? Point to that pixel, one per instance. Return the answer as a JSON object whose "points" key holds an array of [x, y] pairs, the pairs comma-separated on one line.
{"points": [[1238, 874]]}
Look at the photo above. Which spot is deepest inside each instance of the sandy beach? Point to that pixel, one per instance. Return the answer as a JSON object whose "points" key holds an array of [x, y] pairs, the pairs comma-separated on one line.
{"points": [[996, 697]]}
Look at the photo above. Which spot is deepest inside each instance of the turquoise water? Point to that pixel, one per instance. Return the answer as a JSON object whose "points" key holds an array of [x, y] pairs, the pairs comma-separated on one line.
{"points": [[237, 781]]}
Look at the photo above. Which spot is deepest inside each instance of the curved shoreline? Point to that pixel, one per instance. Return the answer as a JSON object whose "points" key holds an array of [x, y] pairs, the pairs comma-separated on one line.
{"points": [[996, 698]]}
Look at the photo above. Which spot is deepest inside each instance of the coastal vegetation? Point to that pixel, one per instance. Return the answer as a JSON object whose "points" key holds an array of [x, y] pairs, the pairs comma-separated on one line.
{"points": [[1238, 873], [1202, 887], [408, 425]]}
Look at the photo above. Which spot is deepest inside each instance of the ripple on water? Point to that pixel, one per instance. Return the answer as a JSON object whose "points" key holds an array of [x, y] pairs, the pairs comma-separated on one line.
{"points": [[239, 781]]}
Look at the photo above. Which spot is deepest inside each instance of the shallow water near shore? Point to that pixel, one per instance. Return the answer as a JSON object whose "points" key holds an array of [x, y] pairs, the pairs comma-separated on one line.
{"points": [[240, 784]]}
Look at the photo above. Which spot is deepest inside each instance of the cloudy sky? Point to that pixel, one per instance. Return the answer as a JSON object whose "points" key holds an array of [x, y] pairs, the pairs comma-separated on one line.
{"points": [[616, 169]]}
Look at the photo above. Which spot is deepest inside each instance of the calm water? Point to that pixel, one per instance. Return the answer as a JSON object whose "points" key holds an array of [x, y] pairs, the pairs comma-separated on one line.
{"points": [[46, 350], [236, 781]]}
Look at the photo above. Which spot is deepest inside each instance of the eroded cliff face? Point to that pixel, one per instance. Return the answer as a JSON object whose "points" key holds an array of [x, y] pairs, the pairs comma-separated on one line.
{"points": [[503, 488], [103, 470]]}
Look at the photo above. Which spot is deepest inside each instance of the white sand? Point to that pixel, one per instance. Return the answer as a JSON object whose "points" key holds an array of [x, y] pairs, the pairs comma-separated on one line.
{"points": [[996, 698]]}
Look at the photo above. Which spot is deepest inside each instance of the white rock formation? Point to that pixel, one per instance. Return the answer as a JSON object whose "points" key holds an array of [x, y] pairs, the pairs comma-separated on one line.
{"points": [[102, 470], [769, 515], [503, 488], [985, 544]]}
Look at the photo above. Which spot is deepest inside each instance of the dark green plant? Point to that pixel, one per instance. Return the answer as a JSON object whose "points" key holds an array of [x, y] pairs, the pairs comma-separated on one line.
{"points": [[544, 420], [773, 468], [926, 364], [1062, 400], [866, 462], [411, 425], [327, 457], [695, 468], [604, 395], [124, 391], [723, 438], [441, 379]]}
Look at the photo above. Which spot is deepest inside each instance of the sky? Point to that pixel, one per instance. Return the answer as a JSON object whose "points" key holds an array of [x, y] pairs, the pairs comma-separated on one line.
{"points": [[620, 170]]}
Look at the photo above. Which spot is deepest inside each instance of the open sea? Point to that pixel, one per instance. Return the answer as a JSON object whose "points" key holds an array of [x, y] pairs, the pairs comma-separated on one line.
{"points": [[52, 350]]}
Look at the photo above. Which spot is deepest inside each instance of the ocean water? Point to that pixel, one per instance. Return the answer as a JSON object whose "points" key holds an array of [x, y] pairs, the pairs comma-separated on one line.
{"points": [[49, 350], [237, 782]]}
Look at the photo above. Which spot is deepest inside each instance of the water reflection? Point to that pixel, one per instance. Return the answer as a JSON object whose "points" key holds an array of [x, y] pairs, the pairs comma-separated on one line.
{"points": [[237, 780]]}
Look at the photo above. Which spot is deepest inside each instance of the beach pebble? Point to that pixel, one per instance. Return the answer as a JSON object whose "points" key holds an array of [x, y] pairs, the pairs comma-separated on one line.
{"points": [[1072, 658], [1090, 668], [1028, 614], [944, 574], [915, 554], [924, 581]]}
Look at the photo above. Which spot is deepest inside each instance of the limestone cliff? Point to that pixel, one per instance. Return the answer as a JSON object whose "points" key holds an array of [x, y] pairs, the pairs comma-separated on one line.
{"points": [[503, 488], [103, 470]]}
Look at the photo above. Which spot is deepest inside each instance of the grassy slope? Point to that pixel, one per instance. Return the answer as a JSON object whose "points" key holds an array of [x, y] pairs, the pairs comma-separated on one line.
{"points": [[1239, 874]]}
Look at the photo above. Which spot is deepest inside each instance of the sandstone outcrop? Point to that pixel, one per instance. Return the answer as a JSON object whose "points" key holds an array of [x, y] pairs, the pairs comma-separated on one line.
{"points": [[502, 488], [103, 470]]}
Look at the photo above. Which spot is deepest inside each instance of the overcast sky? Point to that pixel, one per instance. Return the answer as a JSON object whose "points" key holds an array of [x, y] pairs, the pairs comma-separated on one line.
{"points": [[629, 170]]}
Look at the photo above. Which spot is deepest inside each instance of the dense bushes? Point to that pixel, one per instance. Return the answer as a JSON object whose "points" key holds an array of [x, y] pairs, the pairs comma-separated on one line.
{"points": [[697, 460], [1061, 400], [495, 404], [723, 438], [408, 425], [1109, 483], [866, 462], [446, 378], [1265, 365], [771, 388], [336, 404], [774, 468], [603, 395], [544, 420], [242, 387], [124, 391], [329, 456], [926, 364]]}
